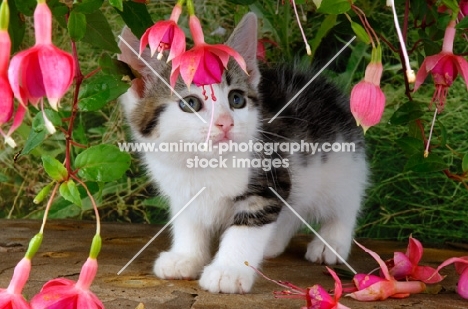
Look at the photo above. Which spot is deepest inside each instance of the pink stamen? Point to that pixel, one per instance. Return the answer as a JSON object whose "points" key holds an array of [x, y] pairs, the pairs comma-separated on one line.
{"points": [[211, 121], [213, 97]]}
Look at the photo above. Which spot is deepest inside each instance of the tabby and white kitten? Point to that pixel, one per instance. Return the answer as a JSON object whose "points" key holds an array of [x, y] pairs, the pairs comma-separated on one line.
{"points": [[324, 187]]}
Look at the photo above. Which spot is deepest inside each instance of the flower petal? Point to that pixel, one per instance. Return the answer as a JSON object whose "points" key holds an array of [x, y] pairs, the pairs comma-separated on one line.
{"points": [[426, 274], [338, 287], [462, 286], [362, 281], [6, 100], [403, 266], [414, 251], [462, 66], [376, 257], [58, 70]]}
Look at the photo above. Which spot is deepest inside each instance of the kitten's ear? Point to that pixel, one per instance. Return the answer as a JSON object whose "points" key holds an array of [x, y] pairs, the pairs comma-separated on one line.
{"points": [[244, 41], [129, 44]]}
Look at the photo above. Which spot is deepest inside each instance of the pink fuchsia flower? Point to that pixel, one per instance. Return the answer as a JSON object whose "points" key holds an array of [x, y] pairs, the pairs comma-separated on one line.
{"points": [[43, 70], [371, 288], [6, 94], [165, 35], [461, 266], [204, 64], [316, 296], [463, 8], [444, 68], [11, 298], [367, 100], [405, 265], [64, 293]]}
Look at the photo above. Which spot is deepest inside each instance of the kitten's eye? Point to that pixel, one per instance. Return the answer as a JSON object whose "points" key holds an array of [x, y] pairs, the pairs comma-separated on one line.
{"points": [[236, 99], [194, 103]]}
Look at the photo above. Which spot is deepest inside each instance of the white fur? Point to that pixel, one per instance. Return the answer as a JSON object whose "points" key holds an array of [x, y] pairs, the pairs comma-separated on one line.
{"points": [[327, 193]]}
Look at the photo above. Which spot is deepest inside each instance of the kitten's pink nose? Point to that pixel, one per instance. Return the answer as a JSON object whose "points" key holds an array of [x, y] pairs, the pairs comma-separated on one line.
{"points": [[225, 123]]}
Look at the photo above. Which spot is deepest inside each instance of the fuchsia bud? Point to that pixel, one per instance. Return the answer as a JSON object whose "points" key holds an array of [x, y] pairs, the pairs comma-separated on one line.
{"points": [[367, 100], [165, 35], [43, 70]]}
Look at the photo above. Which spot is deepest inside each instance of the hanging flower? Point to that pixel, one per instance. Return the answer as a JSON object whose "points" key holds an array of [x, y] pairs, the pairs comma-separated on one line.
{"points": [[204, 64], [12, 297], [367, 100], [165, 35], [43, 70], [444, 68], [6, 94], [65, 293]]}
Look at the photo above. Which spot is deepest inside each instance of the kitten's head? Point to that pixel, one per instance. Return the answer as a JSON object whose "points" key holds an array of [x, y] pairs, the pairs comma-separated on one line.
{"points": [[156, 114]]}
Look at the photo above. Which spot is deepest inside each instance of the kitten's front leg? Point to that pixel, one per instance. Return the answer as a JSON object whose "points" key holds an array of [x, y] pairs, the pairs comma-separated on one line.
{"points": [[189, 252], [244, 241], [228, 272]]}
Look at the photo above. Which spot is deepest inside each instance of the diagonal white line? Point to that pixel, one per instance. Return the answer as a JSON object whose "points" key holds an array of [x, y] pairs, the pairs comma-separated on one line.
{"points": [[314, 231], [160, 231], [313, 78], [161, 78]]}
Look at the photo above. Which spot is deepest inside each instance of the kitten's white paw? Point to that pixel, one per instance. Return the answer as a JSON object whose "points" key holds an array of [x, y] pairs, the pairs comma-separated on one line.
{"points": [[217, 278], [274, 248], [173, 265], [317, 252]]}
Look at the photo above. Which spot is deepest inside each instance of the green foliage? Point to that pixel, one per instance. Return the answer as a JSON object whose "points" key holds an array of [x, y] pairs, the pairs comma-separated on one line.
{"points": [[102, 163], [410, 193], [99, 90]]}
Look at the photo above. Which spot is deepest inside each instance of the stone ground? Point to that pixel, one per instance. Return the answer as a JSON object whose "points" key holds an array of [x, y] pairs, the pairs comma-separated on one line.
{"points": [[66, 244]]}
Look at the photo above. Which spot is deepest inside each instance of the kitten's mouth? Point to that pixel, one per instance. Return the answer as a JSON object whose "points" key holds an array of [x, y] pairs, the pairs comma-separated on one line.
{"points": [[221, 139]]}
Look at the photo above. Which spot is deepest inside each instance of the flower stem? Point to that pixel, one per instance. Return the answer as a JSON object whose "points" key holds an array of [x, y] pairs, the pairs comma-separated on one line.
{"points": [[46, 211], [309, 52], [93, 202], [190, 8]]}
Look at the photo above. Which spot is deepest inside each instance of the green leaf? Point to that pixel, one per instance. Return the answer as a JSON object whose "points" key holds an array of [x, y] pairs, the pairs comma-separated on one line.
{"points": [[407, 112], [87, 6], [465, 163], [463, 24], [433, 163], [99, 33], [243, 2], [16, 28], [99, 90], [59, 11], [118, 4], [360, 32], [38, 131], [102, 163], [359, 51], [113, 66], [25, 6], [76, 25], [328, 23], [69, 191], [334, 6], [410, 145], [54, 168], [136, 16]]}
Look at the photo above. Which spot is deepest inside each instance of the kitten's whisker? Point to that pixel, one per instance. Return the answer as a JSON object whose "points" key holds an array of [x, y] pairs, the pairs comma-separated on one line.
{"points": [[274, 134]]}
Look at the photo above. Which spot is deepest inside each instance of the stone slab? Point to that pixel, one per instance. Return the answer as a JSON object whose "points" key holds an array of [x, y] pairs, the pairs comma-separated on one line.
{"points": [[66, 244]]}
